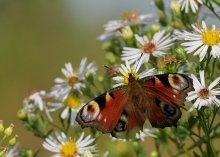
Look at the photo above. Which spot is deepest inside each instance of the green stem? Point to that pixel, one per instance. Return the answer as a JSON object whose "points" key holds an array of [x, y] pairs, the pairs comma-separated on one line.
{"points": [[213, 68], [157, 146], [213, 117], [56, 126], [209, 5], [209, 145]]}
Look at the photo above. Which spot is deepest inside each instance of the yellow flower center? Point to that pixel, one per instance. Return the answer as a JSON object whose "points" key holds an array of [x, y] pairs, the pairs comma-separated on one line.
{"points": [[73, 102], [149, 47], [69, 149], [204, 93], [130, 76], [211, 37], [72, 80], [131, 16]]}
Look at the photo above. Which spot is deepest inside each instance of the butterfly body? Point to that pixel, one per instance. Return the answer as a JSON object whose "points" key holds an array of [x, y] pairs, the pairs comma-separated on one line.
{"points": [[125, 108]]}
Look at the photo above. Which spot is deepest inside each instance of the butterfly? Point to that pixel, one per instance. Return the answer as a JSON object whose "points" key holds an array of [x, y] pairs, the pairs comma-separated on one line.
{"points": [[125, 108]]}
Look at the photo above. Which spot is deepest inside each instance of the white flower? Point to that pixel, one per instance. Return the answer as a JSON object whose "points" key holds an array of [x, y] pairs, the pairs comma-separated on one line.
{"points": [[36, 101], [155, 47], [72, 80], [204, 96], [12, 152], [190, 4], [200, 40], [128, 18], [127, 70], [145, 133], [63, 146], [71, 106]]}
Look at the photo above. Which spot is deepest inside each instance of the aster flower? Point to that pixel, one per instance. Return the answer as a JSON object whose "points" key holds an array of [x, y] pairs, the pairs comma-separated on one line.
{"points": [[204, 96], [63, 146], [186, 5], [156, 47], [70, 105], [145, 133], [35, 101], [126, 70], [127, 19], [200, 40], [72, 80]]}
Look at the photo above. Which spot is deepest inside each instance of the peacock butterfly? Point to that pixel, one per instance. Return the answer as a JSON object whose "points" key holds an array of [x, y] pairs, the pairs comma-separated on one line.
{"points": [[125, 108]]}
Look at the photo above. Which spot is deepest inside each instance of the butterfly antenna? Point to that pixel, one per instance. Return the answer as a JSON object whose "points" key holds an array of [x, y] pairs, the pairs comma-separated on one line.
{"points": [[106, 67], [138, 62]]}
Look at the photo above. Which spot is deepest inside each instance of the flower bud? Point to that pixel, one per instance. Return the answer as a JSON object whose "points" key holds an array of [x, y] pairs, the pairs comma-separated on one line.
{"points": [[159, 4], [2, 153], [111, 58], [26, 152], [1, 126], [207, 112], [154, 154], [181, 53], [126, 33], [13, 141], [155, 28], [175, 7], [162, 18], [136, 146], [21, 114], [177, 23], [8, 131], [107, 46]]}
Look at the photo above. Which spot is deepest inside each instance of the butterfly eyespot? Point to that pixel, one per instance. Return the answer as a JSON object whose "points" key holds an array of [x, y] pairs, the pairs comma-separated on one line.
{"points": [[177, 81], [90, 111], [169, 110], [121, 126]]}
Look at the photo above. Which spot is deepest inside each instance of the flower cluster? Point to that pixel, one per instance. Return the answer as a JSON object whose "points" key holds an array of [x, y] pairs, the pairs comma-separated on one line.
{"points": [[132, 44], [10, 149]]}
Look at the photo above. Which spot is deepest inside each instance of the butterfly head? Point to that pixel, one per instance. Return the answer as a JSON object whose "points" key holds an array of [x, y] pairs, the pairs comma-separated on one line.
{"points": [[130, 77]]}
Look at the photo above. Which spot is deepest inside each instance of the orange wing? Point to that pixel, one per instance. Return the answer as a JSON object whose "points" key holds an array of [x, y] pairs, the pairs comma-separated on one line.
{"points": [[167, 92], [104, 111]]}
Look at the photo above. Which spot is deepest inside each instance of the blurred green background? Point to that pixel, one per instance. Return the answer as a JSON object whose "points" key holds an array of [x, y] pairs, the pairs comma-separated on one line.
{"points": [[37, 37]]}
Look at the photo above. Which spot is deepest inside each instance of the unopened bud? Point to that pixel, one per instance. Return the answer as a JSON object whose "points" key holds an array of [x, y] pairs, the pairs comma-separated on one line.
{"points": [[126, 33], [154, 154], [177, 23], [155, 28], [13, 141], [111, 58], [162, 18], [8, 131], [181, 53], [1, 126], [21, 114], [207, 112], [175, 7], [159, 4]]}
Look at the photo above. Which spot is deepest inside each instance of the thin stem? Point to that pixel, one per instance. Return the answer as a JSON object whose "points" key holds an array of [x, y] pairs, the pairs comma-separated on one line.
{"points": [[209, 5], [209, 145], [213, 117], [213, 68], [56, 126]]}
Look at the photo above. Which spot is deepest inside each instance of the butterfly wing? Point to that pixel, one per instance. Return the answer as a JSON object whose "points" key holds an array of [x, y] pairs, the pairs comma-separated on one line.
{"points": [[168, 93], [104, 111]]}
